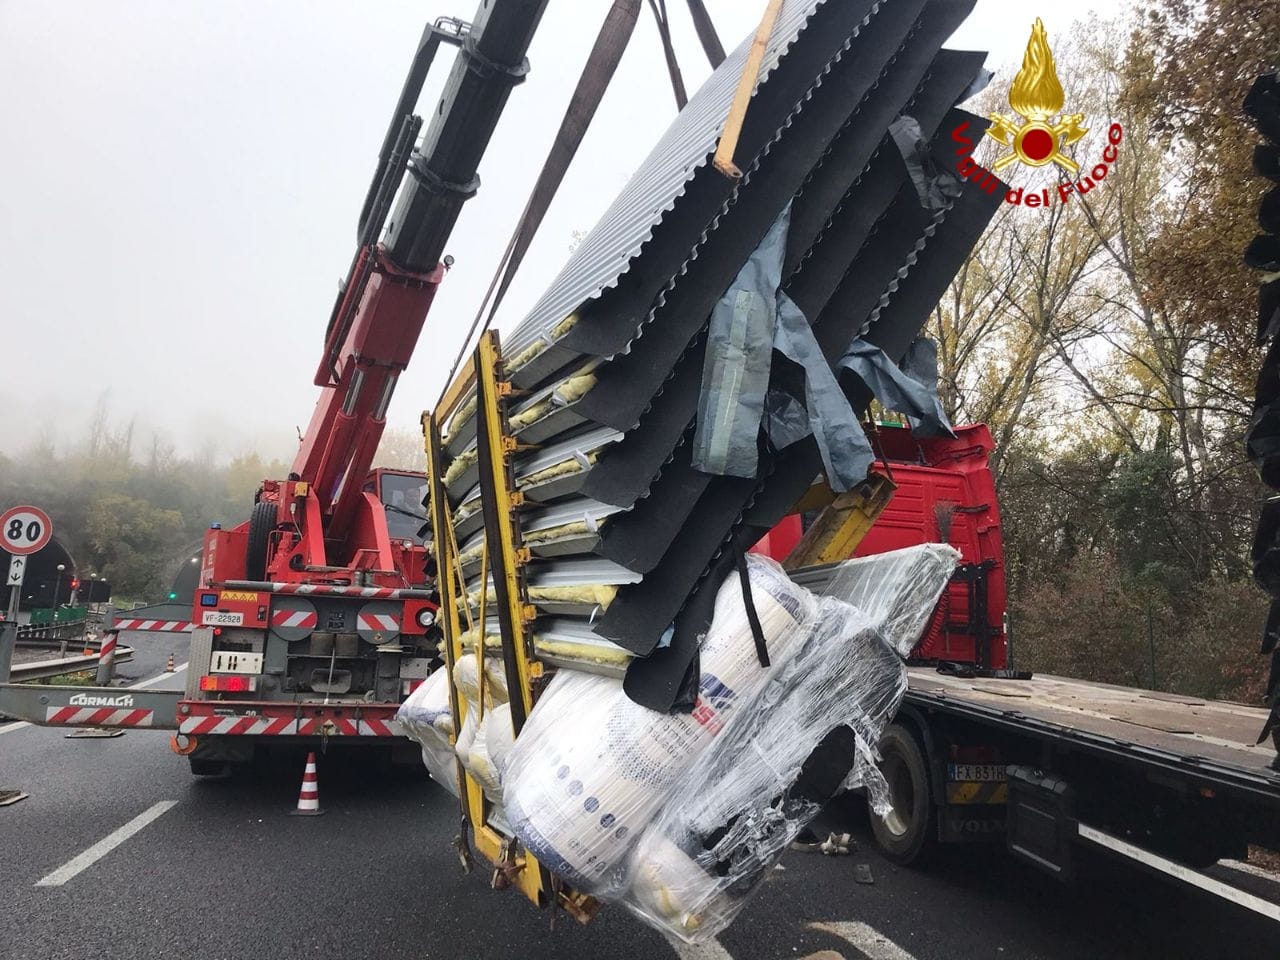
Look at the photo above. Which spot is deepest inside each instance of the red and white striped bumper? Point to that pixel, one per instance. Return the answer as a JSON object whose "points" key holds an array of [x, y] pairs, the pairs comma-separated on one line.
{"points": [[98, 717], [242, 719], [161, 626]]}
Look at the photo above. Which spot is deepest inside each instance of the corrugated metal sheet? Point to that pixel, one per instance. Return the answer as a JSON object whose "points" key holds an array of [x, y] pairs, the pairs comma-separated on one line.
{"points": [[869, 258], [606, 253], [576, 510]]}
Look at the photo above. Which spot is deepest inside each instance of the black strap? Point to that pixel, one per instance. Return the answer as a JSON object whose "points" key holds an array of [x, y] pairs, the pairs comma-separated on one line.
{"points": [[757, 632], [659, 8], [706, 33]]}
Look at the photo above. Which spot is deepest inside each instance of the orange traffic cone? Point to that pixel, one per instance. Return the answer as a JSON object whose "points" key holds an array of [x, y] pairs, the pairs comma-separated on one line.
{"points": [[168, 666], [309, 795]]}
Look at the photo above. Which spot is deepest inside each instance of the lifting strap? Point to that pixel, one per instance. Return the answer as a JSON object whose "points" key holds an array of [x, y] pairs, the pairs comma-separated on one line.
{"points": [[659, 9], [706, 33]]}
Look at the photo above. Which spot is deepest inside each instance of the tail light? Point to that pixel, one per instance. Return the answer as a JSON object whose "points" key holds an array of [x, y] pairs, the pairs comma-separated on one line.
{"points": [[228, 684]]}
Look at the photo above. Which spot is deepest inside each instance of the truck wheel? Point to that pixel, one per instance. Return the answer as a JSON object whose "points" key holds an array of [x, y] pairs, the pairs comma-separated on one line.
{"points": [[906, 833], [261, 522]]}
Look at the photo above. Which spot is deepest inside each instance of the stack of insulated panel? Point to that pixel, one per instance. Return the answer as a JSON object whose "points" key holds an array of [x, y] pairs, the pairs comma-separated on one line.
{"points": [[629, 540], [1263, 438]]}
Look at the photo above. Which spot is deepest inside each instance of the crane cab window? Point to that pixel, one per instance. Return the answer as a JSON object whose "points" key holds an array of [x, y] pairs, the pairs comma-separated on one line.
{"points": [[401, 495]]}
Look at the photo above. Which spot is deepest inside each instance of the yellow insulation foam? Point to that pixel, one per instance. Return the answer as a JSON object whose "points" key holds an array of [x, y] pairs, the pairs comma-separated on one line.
{"points": [[531, 415], [563, 469], [461, 416], [582, 652], [527, 354], [460, 465], [562, 532], [596, 594], [564, 326]]}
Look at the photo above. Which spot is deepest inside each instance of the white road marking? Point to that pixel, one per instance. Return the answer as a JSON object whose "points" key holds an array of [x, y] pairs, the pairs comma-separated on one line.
{"points": [[104, 846], [710, 950], [1180, 872], [10, 727], [866, 938], [160, 679]]}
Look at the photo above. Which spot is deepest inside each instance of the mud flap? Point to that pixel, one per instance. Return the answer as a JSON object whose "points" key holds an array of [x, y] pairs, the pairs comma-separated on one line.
{"points": [[1041, 822]]}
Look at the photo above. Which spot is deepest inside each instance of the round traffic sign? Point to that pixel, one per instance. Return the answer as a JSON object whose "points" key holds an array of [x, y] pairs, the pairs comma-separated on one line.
{"points": [[25, 530]]}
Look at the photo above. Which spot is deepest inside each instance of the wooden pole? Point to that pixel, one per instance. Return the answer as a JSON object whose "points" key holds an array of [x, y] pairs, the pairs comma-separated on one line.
{"points": [[742, 96]]}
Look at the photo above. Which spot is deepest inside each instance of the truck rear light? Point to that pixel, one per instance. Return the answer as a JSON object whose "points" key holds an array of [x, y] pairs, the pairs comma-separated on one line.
{"points": [[974, 753], [228, 684], [426, 617]]}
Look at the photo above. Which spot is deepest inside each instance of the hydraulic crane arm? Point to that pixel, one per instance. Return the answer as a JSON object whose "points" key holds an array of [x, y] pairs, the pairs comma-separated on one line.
{"points": [[383, 303]]}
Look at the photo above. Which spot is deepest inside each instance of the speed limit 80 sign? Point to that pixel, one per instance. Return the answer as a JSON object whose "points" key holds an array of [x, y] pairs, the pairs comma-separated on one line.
{"points": [[25, 530]]}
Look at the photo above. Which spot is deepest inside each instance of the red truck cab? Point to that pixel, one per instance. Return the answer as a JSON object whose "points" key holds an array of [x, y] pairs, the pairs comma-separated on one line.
{"points": [[945, 494]]}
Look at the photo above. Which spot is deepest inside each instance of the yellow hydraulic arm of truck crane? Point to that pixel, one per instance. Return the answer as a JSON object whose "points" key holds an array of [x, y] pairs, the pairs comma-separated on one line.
{"points": [[843, 522]]}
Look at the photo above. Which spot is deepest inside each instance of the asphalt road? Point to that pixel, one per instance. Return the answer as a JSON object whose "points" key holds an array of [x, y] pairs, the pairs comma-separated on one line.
{"points": [[217, 869]]}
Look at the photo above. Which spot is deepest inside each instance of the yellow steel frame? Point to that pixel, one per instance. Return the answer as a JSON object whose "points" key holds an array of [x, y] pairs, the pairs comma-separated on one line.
{"points": [[512, 557], [512, 865]]}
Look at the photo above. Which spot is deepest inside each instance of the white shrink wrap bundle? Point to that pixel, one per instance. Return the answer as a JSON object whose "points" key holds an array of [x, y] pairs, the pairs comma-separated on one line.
{"points": [[775, 764], [741, 804], [500, 737], [591, 767], [479, 727], [897, 590], [427, 718]]}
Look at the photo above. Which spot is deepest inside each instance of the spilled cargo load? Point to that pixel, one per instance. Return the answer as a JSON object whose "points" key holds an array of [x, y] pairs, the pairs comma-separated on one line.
{"points": [[697, 372]]}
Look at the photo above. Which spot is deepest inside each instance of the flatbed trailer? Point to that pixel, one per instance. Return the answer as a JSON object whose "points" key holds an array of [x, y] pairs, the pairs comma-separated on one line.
{"points": [[1173, 783]]}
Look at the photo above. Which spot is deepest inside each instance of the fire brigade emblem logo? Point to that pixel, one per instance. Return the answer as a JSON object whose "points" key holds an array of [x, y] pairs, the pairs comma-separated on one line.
{"points": [[1036, 96]]}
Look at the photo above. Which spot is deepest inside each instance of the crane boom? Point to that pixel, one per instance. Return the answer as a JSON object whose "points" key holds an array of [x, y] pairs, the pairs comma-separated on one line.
{"points": [[383, 304]]}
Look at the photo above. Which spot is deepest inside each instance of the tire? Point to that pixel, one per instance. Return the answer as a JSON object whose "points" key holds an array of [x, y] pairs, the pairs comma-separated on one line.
{"points": [[261, 524], [907, 834]]}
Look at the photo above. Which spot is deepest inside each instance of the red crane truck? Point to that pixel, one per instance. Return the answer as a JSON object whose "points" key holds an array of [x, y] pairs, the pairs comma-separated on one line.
{"points": [[315, 618]]}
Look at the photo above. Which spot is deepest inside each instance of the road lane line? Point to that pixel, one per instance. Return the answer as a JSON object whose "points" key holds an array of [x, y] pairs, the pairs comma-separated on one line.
{"points": [[154, 680], [10, 727], [104, 846], [866, 938], [1179, 871], [710, 950]]}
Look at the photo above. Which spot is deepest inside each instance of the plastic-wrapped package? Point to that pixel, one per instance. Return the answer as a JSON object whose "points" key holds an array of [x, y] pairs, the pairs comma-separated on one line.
{"points": [[500, 737], [427, 718], [472, 746], [591, 767], [896, 590], [744, 800], [809, 732]]}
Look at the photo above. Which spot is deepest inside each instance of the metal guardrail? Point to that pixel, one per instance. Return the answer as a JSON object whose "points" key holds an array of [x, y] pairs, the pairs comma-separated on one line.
{"points": [[66, 630], [44, 669]]}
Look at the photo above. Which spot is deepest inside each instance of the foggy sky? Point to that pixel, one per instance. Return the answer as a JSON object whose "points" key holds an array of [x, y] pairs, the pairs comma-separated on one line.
{"points": [[181, 182]]}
